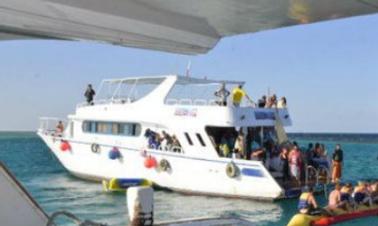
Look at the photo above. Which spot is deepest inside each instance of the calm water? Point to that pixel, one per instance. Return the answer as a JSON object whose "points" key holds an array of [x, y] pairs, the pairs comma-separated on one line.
{"points": [[29, 159]]}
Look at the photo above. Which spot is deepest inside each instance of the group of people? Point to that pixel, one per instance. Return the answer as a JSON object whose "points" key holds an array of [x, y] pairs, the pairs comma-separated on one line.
{"points": [[250, 146], [156, 140], [345, 197], [238, 94], [295, 161]]}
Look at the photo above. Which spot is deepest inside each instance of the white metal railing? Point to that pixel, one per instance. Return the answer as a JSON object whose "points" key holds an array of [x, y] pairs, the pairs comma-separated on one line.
{"points": [[48, 125]]}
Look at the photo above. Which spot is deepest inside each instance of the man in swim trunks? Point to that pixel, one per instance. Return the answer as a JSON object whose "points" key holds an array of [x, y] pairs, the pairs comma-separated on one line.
{"points": [[334, 200]]}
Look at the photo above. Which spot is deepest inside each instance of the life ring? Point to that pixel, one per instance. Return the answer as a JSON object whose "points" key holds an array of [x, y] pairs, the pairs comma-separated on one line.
{"points": [[164, 165], [95, 148], [232, 170]]}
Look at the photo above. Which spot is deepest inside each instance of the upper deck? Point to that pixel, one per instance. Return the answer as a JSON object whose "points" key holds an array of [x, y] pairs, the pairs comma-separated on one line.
{"points": [[181, 97]]}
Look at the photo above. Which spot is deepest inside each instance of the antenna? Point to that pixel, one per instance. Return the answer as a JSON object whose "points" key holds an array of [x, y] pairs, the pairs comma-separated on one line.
{"points": [[188, 67]]}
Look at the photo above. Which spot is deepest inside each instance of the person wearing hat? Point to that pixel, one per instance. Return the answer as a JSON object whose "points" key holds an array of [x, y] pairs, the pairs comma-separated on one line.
{"points": [[307, 203]]}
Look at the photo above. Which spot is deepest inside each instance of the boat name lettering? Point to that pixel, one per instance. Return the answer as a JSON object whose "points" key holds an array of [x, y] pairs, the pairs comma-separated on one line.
{"points": [[186, 112]]}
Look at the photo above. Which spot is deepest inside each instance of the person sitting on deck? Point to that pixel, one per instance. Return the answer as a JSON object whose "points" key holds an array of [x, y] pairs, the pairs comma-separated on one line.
{"points": [[222, 94], [237, 95], [307, 203], [59, 129]]}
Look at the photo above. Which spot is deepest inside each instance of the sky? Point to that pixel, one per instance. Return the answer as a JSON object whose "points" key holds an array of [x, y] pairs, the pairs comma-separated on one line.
{"points": [[328, 71]]}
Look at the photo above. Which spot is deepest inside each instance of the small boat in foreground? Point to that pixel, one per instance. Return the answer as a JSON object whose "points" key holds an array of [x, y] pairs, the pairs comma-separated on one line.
{"points": [[338, 217]]}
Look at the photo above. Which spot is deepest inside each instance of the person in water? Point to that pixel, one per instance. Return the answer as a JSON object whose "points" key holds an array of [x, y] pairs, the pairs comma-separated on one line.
{"points": [[307, 203], [89, 94], [337, 160], [237, 95], [222, 94]]}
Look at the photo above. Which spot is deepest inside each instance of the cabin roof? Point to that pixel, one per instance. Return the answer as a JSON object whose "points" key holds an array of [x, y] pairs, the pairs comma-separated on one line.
{"points": [[180, 80]]}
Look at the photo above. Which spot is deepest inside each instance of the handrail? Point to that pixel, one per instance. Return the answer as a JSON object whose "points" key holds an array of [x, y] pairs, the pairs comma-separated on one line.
{"points": [[327, 172], [72, 217], [307, 173]]}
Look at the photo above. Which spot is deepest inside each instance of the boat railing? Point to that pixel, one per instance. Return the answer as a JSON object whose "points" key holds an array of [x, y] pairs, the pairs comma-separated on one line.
{"points": [[47, 125], [310, 169], [123, 100]]}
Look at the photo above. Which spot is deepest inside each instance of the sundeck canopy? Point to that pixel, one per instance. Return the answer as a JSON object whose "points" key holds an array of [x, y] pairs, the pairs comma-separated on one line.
{"points": [[188, 27]]}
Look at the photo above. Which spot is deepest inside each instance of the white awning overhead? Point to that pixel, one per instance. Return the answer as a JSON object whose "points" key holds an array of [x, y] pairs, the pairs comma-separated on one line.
{"points": [[182, 26]]}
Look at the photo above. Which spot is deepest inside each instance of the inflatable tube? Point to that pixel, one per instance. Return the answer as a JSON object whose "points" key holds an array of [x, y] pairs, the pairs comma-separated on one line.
{"points": [[232, 170], [122, 184], [95, 148], [340, 216]]}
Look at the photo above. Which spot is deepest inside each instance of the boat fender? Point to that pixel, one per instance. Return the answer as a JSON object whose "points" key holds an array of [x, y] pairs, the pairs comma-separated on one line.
{"points": [[232, 170], [150, 162], [114, 154], [95, 148], [164, 165], [65, 146]]}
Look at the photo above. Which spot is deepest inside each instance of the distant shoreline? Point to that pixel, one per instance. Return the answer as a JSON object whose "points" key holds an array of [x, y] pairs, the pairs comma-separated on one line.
{"points": [[289, 133]]}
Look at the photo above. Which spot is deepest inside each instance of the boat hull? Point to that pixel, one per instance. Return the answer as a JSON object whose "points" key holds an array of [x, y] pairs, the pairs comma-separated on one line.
{"points": [[190, 175]]}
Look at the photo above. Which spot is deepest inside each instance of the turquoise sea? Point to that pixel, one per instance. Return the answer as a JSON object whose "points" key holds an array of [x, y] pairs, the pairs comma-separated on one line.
{"points": [[54, 189]]}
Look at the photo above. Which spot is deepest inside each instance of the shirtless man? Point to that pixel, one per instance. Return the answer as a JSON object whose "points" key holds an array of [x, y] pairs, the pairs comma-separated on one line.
{"points": [[334, 200]]}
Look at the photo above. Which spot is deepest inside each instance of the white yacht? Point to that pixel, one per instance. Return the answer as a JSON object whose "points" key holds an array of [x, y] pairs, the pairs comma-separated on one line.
{"points": [[126, 110]]}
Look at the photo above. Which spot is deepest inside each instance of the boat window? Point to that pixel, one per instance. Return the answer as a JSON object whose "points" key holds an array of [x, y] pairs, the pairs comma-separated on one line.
{"points": [[113, 128], [189, 139], [199, 137]]}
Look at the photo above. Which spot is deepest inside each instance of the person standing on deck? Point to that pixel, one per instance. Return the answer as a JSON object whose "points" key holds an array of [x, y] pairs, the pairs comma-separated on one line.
{"points": [[295, 162], [59, 128], [237, 95], [337, 160], [89, 94], [222, 93]]}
